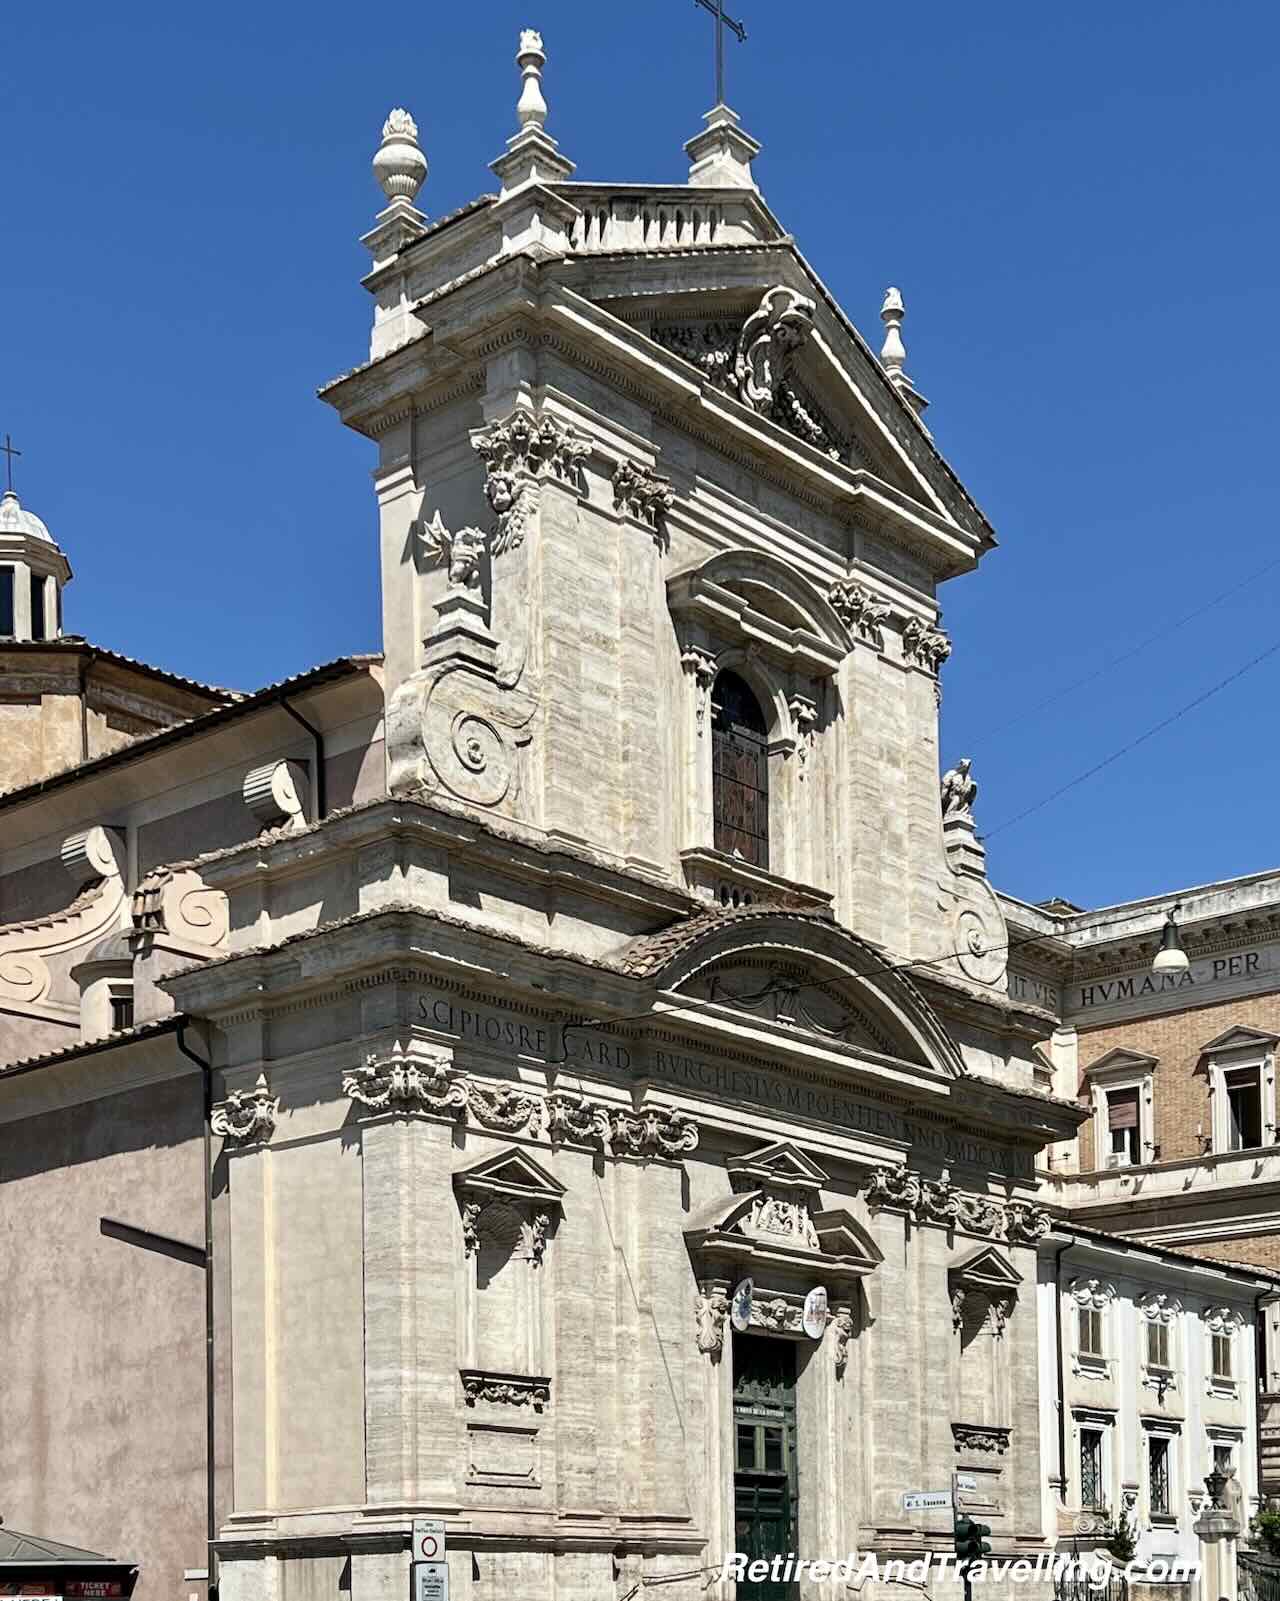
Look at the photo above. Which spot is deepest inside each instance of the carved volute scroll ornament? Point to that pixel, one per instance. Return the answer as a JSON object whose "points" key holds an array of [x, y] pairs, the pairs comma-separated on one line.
{"points": [[753, 362], [276, 794], [653, 1131], [246, 1115], [573, 1118], [842, 1326], [700, 668], [711, 1310], [939, 1201], [769, 339]]}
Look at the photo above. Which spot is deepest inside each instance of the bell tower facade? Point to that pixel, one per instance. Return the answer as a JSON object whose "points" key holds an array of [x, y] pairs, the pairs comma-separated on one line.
{"points": [[662, 541]]}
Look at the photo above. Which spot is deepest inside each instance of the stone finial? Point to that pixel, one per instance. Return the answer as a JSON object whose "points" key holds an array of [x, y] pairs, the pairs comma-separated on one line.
{"points": [[531, 156], [531, 58], [893, 353], [399, 164]]}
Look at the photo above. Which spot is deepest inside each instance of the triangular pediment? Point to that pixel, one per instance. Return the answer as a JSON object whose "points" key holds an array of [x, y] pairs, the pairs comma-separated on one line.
{"points": [[1118, 1061], [836, 399], [512, 1174], [986, 1269], [781, 1166], [1240, 1038]]}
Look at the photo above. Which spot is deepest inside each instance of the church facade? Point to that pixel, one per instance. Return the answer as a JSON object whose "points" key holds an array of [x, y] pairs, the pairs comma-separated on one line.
{"points": [[559, 1076]]}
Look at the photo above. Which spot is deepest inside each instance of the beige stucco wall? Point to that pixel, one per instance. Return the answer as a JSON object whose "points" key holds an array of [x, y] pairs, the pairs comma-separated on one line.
{"points": [[102, 1385]]}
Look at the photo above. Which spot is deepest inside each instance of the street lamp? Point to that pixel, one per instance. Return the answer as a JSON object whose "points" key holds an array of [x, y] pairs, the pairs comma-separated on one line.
{"points": [[1170, 958]]}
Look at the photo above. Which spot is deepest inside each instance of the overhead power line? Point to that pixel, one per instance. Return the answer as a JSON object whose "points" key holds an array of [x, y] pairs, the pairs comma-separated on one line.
{"points": [[1133, 744], [1128, 655]]}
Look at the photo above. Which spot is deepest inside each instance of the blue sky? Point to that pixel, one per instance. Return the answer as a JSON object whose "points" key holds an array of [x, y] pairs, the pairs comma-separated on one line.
{"points": [[1078, 203]]}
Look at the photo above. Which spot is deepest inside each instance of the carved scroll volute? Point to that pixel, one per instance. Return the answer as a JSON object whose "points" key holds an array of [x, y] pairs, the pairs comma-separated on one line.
{"points": [[276, 794], [94, 860], [97, 853]]}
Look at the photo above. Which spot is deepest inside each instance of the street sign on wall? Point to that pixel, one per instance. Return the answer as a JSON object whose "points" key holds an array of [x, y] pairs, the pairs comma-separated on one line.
{"points": [[430, 1581], [429, 1544], [430, 1572]]}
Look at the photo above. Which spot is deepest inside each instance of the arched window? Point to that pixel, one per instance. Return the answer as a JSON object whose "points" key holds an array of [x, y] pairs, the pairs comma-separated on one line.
{"points": [[740, 771]]}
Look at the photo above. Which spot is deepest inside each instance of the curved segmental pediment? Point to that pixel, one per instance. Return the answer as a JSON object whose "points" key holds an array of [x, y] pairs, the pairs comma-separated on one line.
{"points": [[750, 598], [801, 972]]}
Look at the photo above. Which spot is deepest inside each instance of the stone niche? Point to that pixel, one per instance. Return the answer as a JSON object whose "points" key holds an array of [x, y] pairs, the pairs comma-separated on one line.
{"points": [[984, 1294], [509, 1205]]}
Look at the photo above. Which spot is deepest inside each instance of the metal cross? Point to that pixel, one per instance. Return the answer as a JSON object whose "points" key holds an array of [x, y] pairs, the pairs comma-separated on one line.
{"points": [[723, 21], [8, 450]]}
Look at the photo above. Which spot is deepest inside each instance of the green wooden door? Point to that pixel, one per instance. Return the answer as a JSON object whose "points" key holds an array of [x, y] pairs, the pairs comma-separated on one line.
{"points": [[764, 1479]]}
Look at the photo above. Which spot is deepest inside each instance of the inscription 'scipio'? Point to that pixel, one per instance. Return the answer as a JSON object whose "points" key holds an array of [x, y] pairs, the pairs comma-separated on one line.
{"points": [[536, 1040]]}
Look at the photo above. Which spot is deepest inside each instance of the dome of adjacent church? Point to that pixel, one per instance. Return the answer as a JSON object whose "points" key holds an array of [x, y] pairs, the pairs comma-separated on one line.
{"points": [[16, 519]]}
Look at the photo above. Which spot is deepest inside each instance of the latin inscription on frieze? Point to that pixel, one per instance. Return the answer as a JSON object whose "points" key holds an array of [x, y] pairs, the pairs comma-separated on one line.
{"points": [[792, 1093], [1232, 973]]}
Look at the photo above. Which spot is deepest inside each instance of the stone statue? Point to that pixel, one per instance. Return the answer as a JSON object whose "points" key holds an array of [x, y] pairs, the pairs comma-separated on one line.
{"points": [[461, 553], [959, 791], [1233, 1498]]}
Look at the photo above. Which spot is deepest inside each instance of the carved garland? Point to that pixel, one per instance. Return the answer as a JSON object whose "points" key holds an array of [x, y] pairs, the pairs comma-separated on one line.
{"points": [[505, 1389], [435, 1087], [939, 1201]]}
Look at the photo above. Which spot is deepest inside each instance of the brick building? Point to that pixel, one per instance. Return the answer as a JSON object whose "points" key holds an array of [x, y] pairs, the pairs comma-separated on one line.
{"points": [[1177, 1070]]}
